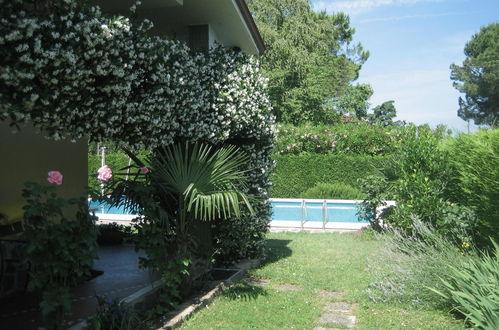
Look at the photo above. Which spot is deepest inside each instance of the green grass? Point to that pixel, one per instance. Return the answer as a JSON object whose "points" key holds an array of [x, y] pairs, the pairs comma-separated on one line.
{"points": [[315, 262]]}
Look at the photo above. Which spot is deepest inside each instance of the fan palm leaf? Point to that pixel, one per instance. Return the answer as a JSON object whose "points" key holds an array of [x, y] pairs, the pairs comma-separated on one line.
{"points": [[205, 183]]}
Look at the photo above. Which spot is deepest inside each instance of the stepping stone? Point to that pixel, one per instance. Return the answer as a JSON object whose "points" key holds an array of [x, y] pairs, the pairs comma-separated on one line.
{"points": [[321, 328], [258, 281], [345, 320], [288, 287], [331, 294], [339, 307]]}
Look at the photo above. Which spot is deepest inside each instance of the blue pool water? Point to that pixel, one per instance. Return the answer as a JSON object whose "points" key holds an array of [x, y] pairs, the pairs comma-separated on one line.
{"points": [[105, 208], [282, 211], [313, 211]]}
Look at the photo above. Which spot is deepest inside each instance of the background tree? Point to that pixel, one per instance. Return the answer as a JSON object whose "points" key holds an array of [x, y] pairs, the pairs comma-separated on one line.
{"points": [[353, 101], [383, 114], [478, 77], [309, 59]]}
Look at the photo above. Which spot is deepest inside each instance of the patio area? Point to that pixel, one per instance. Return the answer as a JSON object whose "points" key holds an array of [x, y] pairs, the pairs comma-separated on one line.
{"points": [[121, 277]]}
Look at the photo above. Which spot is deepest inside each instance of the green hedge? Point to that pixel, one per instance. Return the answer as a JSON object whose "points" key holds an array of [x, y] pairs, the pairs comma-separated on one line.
{"points": [[294, 174], [475, 184]]}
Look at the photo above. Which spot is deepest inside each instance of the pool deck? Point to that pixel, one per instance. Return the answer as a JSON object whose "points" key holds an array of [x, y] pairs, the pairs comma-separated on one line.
{"points": [[274, 225], [315, 226]]}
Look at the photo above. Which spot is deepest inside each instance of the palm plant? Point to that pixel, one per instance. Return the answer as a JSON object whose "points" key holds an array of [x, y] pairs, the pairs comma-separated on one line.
{"points": [[186, 182]]}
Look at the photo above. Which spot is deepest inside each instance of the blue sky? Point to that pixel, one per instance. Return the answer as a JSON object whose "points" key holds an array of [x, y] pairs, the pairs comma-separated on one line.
{"points": [[412, 44]]}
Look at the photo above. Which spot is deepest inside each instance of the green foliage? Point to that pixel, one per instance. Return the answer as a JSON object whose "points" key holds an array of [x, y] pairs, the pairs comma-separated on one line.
{"points": [[309, 59], [383, 114], [478, 77], [473, 289], [338, 190], [475, 179], [349, 138], [115, 160], [409, 264], [114, 315], [353, 102], [239, 238], [202, 182], [294, 174], [417, 177], [185, 183], [60, 250]]}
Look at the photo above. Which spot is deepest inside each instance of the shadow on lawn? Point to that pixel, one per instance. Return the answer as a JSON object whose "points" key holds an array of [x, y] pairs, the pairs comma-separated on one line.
{"points": [[244, 291], [276, 249]]}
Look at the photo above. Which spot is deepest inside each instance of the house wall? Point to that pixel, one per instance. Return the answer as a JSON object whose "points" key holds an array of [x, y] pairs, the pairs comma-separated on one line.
{"points": [[28, 156]]}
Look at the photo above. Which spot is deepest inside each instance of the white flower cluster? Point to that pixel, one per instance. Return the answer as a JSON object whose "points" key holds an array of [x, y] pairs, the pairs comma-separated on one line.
{"points": [[73, 72]]}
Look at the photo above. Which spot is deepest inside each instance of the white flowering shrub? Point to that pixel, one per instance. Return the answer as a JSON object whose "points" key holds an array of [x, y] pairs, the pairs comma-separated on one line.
{"points": [[74, 72]]}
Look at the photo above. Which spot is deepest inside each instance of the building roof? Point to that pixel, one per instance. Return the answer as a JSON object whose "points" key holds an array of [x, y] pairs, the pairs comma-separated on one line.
{"points": [[230, 21]]}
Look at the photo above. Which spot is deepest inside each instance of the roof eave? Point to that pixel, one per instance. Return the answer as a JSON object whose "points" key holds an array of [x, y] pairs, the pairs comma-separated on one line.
{"points": [[250, 23]]}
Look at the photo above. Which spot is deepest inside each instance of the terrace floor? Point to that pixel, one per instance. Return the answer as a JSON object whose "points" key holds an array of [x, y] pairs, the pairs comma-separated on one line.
{"points": [[121, 278]]}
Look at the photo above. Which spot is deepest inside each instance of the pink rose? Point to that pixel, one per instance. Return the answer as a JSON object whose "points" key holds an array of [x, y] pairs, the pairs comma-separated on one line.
{"points": [[104, 173], [55, 177], [144, 170]]}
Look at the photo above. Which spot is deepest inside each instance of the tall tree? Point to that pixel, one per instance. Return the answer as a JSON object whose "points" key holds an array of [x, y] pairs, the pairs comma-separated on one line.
{"points": [[309, 59], [478, 77], [383, 114]]}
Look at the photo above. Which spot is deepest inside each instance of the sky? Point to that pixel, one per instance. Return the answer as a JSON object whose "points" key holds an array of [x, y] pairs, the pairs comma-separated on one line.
{"points": [[412, 44]]}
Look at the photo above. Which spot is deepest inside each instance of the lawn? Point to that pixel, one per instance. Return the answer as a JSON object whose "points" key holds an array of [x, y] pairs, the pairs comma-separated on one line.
{"points": [[298, 268]]}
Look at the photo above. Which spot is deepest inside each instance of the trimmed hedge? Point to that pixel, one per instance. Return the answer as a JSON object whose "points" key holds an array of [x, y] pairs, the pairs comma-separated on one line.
{"points": [[475, 184], [294, 174]]}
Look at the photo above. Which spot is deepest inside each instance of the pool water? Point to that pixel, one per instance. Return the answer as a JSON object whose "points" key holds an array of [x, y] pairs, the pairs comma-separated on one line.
{"points": [[102, 207], [281, 211], [313, 211]]}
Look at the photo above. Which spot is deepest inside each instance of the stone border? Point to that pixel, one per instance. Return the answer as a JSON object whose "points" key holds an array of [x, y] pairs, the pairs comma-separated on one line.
{"points": [[185, 311]]}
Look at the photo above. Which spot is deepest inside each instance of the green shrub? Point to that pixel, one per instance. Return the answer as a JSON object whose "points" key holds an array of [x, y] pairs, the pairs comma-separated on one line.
{"points": [[473, 289], [350, 138], [475, 161], [409, 264], [294, 174], [419, 178], [61, 247], [114, 315], [332, 191]]}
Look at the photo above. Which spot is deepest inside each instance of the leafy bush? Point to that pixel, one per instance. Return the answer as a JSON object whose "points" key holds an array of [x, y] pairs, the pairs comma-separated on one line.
{"points": [[60, 249], [294, 174], [332, 191], [114, 315], [473, 289], [409, 264], [419, 179], [350, 138], [475, 162]]}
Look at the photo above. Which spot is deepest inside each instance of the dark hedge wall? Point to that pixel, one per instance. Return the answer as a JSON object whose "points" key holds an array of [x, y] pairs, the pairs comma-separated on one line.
{"points": [[294, 174]]}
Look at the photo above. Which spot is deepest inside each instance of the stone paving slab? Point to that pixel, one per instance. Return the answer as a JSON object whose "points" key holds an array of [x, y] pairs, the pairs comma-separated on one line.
{"points": [[288, 287], [331, 294], [345, 320], [339, 307], [258, 281]]}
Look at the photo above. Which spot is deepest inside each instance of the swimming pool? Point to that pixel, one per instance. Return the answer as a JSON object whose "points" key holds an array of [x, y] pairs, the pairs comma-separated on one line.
{"points": [[286, 213], [315, 210]]}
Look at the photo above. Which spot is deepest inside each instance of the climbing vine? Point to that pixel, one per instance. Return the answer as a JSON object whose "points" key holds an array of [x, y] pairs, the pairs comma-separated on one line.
{"points": [[74, 72]]}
